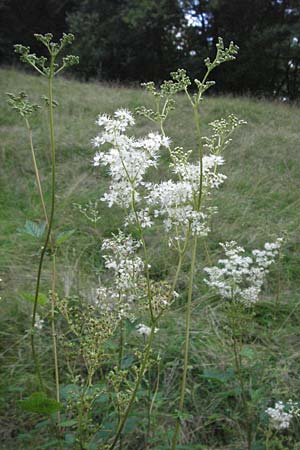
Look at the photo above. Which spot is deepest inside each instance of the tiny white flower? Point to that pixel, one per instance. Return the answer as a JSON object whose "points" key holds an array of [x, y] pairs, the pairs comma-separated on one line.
{"points": [[38, 322], [144, 330]]}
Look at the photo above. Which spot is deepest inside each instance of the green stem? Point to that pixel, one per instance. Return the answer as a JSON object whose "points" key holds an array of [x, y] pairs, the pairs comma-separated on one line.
{"points": [[36, 171], [186, 343], [197, 207], [53, 332], [238, 367], [137, 384], [140, 229], [144, 362], [121, 344], [47, 239], [53, 154]]}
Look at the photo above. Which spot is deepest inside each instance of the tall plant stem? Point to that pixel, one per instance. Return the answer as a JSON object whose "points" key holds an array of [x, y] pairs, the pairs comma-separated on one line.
{"points": [[137, 384], [238, 367], [121, 344], [53, 332], [36, 171], [195, 106], [144, 363], [140, 229], [186, 343], [53, 284], [46, 243]]}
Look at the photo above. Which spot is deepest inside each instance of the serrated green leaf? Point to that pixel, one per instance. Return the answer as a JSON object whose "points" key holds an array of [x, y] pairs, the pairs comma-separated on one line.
{"points": [[231, 393], [247, 352], [41, 300], [55, 443], [39, 403], [63, 236], [68, 423], [127, 362], [221, 377], [33, 229], [70, 438]]}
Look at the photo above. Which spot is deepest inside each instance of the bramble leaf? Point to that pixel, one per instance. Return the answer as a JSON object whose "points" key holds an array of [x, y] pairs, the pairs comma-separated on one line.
{"points": [[41, 300], [33, 229], [39, 403]]}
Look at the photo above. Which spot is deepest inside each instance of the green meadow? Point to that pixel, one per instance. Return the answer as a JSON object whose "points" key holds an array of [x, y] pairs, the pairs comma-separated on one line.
{"points": [[258, 202]]}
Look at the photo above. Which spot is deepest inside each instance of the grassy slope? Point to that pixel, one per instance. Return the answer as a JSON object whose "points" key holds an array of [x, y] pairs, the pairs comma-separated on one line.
{"points": [[259, 201]]}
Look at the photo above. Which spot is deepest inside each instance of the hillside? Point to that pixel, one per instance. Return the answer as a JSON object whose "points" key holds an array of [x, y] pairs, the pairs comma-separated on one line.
{"points": [[259, 201]]}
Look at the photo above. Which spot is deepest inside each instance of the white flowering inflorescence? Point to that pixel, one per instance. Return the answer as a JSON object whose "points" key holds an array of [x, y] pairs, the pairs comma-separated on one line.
{"points": [[128, 158], [239, 277], [176, 201], [180, 202], [282, 414], [128, 268]]}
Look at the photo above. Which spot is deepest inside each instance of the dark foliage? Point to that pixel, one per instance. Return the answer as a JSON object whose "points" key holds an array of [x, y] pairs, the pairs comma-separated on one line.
{"points": [[138, 40], [19, 20]]}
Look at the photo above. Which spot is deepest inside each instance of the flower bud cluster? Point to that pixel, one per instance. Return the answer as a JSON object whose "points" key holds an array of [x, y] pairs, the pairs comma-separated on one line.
{"points": [[39, 63], [239, 277], [20, 104]]}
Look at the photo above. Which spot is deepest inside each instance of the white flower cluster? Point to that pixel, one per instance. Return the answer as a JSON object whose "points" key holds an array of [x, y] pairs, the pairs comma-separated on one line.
{"points": [[144, 330], [128, 158], [39, 323], [128, 268], [282, 414], [211, 179], [121, 258], [175, 200], [143, 216], [239, 277]]}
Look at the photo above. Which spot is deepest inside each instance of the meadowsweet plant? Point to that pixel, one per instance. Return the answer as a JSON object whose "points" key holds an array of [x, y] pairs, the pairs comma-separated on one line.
{"points": [[107, 344], [48, 68], [181, 201], [238, 280]]}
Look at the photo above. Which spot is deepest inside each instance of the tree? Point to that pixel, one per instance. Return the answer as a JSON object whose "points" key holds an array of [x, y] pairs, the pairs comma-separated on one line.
{"points": [[127, 40], [19, 20], [265, 32]]}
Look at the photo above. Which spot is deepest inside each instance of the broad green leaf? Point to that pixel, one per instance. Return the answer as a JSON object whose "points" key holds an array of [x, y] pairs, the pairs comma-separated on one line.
{"points": [[247, 352], [33, 229], [39, 403], [220, 377], [42, 298], [63, 236], [70, 438], [55, 443], [69, 390], [43, 423], [127, 362], [231, 393], [68, 423]]}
